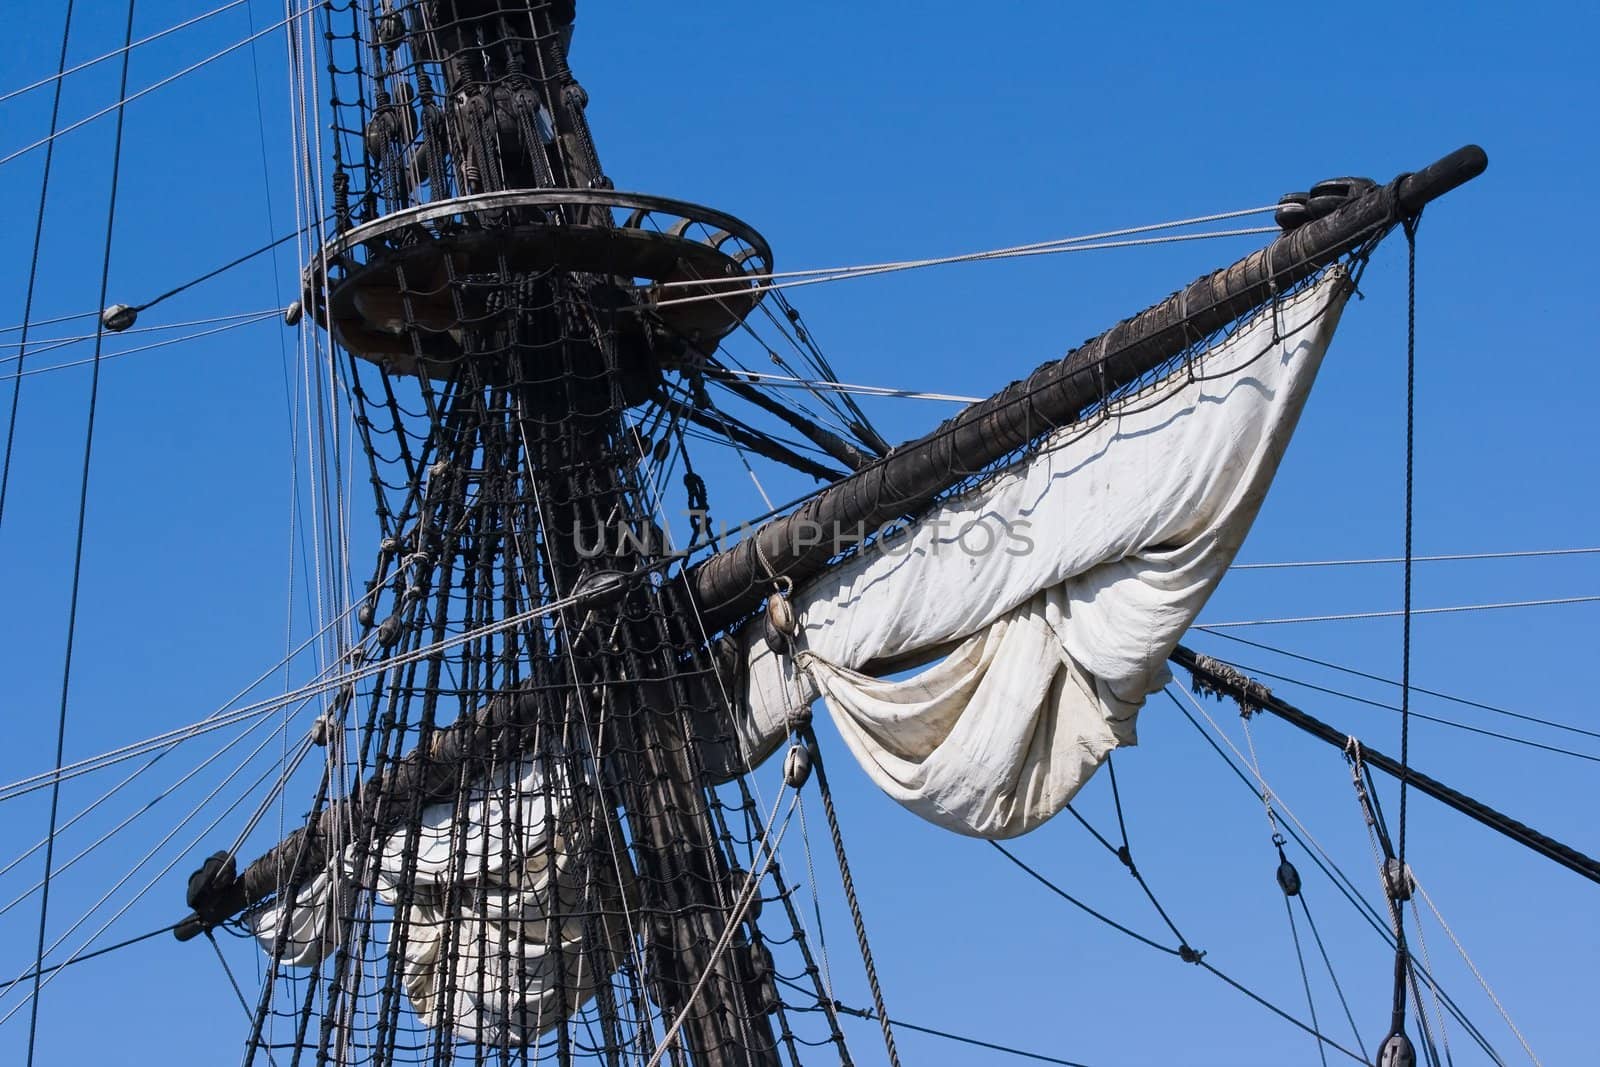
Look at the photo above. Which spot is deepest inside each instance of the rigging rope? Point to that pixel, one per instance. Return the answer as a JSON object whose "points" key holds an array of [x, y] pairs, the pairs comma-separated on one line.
{"points": [[1453, 609], [175, 290], [783, 381], [1184, 952], [86, 64], [77, 556], [33, 265], [1415, 688], [1288, 879], [83, 956], [150, 854], [31, 371], [1322, 950], [1450, 557], [1473, 967], [849, 885], [999, 254], [813, 355], [967, 257], [1395, 886], [1419, 715], [124, 98], [1305, 977], [741, 904], [56, 342], [127, 820], [1319, 855], [62, 342], [867, 1013]]}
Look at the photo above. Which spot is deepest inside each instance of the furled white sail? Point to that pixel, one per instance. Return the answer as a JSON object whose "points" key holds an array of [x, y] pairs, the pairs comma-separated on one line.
{"points": [[1066, 581], [482, 953]]}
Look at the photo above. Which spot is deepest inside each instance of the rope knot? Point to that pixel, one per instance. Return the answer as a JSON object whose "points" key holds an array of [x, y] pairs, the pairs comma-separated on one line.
{"points": [[1214, 678]]}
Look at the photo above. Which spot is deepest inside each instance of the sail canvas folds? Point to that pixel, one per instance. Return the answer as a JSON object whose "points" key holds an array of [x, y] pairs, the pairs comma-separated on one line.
{"points": [[505, 926], [1064, 583]]}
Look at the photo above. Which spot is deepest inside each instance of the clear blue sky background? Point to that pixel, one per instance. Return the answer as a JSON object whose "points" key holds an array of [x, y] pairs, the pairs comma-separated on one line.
{"points": [[857, 133]]}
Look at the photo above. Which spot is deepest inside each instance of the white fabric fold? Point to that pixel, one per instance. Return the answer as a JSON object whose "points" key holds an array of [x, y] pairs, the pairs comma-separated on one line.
{"points": [[482, 954], [1069, 578]]}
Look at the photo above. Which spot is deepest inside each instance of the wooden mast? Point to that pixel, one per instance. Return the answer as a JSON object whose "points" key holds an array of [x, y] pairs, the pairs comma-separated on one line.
{"points": [[483, 252]]}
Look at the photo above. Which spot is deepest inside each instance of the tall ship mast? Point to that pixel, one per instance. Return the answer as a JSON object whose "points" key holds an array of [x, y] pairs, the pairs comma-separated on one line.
{"points": [[529, 851], [555, 740]]}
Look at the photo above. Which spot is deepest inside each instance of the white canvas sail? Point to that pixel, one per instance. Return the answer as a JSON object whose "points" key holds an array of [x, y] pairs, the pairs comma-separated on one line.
{"points": [[1067, 580], [482, 954]]}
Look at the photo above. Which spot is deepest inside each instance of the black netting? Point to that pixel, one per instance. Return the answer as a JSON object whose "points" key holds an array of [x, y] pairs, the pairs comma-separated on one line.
{"points": [[516, 853]]}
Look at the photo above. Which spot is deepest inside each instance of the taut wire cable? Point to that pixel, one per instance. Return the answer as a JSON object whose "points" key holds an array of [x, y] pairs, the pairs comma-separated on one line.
{"points": [[1415, 688], [1097, 246], [1302, 836], [1450, 557], [1451, 610], [124, 98], [33, 266], [849, 885], [1396, 884], [77, 556], [994, 253], [86, 64]]}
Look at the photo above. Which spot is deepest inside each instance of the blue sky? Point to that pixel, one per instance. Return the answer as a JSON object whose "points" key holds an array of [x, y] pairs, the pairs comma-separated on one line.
{"points": [[850, 134]]}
